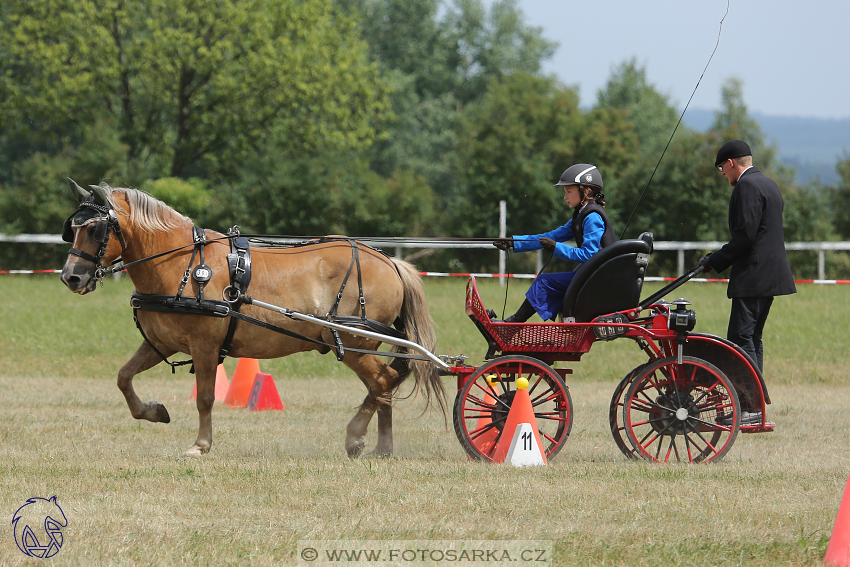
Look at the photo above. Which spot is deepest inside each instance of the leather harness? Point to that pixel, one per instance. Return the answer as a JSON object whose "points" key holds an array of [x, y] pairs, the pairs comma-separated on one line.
{"points": [[235, 295]]}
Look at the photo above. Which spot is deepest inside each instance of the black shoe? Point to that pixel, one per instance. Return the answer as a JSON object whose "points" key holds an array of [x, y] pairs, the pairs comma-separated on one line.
{"points": [[747, 418], [491, 314]]}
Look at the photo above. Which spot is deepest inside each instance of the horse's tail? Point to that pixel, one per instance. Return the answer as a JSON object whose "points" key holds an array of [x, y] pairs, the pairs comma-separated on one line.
{"points": [[420, 330]]}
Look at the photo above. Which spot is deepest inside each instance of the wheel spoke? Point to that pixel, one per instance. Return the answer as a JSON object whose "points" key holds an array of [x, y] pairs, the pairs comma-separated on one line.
{"points": [[652, 410], [536, 382], [485, 428], [492, 393], [481, 408], [552, 396]]}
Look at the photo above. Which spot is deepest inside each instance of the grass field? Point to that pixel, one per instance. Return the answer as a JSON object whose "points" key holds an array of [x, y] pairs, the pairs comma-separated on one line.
{"points": [[274, 478]]}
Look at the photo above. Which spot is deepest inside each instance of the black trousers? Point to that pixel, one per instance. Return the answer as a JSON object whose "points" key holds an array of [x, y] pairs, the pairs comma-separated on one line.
{"points": [[746, 325]]}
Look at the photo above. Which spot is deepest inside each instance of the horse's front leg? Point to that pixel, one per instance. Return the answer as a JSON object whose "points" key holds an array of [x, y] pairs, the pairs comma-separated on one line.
{"points": [[205, 368], [146, 357]]}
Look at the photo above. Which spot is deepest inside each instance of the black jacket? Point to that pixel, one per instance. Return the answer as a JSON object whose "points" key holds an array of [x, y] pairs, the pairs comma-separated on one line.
{"points": [[756, 250]]}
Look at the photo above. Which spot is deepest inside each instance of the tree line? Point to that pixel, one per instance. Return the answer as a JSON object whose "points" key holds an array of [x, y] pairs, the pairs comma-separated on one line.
{"points": [[359, 117]]}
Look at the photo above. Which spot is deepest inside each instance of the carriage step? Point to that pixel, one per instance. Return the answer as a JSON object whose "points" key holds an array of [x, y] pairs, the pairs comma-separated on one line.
{"points": [[768, 427]]}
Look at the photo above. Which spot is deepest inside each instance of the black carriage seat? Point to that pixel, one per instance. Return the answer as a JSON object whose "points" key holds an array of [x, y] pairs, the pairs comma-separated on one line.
{"points": [[610, 281]]}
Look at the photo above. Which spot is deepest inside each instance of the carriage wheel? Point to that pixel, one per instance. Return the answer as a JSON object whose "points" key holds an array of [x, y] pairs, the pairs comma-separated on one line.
{"points": [[482, 405], [615, 415], [685, 412]]}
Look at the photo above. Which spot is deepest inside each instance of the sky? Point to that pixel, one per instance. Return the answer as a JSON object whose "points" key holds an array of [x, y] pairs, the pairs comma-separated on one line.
{"points": [[792, 56]]}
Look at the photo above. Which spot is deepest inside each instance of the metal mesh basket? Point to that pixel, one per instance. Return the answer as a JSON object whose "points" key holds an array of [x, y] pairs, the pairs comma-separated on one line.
{"points": [[529, 337]]}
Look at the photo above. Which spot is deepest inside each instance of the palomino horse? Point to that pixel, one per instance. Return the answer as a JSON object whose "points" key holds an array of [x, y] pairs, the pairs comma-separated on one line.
{"points": [[306, 279]]}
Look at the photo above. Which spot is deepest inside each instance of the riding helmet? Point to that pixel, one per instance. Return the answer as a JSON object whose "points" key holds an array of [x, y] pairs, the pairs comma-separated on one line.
{"points": [[581, 174]]}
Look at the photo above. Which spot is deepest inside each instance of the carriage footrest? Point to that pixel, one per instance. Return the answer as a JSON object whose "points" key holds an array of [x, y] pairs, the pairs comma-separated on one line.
{"points": [[768, 427]]}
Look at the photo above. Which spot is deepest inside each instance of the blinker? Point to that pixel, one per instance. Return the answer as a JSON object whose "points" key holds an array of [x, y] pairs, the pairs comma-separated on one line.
{"points": [[67, 231], [100, 230]]}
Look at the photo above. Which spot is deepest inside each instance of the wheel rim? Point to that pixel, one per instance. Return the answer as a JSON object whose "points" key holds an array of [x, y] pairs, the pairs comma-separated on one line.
{"points": [[615, 415], [483, 403], [685, 412]]}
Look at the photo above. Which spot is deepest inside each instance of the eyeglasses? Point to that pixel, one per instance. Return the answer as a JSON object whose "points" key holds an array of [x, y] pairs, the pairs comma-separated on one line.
{"points": [[720, 167]]}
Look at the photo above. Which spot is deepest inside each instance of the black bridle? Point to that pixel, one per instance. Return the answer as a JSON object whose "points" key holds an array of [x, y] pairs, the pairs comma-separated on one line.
{"points": [[106, 222]]}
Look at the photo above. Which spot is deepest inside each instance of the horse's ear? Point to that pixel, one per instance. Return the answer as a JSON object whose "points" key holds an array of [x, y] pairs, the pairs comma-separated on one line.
{"points": [[100, 194], [79, 192]]}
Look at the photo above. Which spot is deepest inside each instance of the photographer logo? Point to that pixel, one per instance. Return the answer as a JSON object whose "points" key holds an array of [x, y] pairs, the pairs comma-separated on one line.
{"points": [[38, 526]]}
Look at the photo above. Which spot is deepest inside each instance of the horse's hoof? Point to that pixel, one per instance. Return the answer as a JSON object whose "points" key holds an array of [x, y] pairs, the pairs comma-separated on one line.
{"points": [[355, 449], [162, 414], [380, 453], [195, 452]]}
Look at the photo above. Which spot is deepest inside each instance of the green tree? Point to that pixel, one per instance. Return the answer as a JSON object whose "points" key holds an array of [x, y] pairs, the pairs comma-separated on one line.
{"points": [[683, 181], [840, 196], [194, 86], [439, 64], [518, 139], [650, 112], [330, 194]]}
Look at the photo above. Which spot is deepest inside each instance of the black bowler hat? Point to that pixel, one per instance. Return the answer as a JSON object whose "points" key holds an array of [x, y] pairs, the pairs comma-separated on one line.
{"points": [[732, 150]]}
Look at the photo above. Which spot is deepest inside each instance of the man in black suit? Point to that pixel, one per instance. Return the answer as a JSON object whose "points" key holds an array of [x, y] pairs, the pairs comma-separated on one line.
{"points": [[756, 251]]}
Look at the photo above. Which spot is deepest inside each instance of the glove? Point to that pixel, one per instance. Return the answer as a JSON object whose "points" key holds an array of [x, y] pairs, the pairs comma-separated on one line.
{"points": [[503, 244], [548, 244], [704, 263]]}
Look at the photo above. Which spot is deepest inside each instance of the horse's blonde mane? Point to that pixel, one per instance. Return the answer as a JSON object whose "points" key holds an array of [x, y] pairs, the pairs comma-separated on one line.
{"points": [[146, 212]]}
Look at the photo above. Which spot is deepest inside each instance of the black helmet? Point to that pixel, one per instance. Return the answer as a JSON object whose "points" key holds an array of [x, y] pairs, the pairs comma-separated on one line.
{"points": [[581, 174]]}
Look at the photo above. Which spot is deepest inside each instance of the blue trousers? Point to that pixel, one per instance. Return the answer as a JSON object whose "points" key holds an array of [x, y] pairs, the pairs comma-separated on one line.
{"points": [[546, 294]]}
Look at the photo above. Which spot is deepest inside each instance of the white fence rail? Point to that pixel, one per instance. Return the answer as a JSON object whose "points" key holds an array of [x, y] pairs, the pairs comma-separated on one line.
{"points": [[679, 247]]}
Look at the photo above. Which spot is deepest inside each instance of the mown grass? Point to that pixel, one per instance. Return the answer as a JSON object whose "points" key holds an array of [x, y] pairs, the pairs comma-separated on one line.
{"points": [[273, 478]]}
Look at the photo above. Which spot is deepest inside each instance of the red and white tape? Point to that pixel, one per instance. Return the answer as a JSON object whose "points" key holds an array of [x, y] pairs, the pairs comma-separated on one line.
{"points": [[514, 276]]}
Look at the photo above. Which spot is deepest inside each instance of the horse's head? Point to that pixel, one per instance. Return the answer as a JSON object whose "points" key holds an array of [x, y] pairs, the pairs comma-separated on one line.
{"points": [[88, 230]]}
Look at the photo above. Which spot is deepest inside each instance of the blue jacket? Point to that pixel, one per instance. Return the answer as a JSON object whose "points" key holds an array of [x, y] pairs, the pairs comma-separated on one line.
{"points": [[594, 228]]}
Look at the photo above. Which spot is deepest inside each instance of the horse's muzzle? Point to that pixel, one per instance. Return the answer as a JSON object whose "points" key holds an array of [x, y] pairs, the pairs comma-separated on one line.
{"points": [[78, 278]]}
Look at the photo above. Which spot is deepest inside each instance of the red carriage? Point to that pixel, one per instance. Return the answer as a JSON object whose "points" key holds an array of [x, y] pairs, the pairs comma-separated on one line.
{"points": [[687, 402]]}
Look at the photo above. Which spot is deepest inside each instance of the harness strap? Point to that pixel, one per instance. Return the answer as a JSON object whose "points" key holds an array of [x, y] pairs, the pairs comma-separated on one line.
{"points": [[84, 256], [355, 258], [173, 365], [239, 266], [299, 336], [359, 281], [212, 308], [369, 324], [331, 316]]}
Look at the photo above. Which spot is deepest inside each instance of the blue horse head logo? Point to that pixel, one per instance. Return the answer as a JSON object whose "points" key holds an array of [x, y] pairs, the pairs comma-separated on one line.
{"points": [[38, 527]]}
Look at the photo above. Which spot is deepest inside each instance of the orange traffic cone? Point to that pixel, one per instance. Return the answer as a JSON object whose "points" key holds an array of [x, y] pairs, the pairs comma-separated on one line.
{"points": [[221, 385], [264, 394], [520, 443], [838, 550], [240, 386], [481, 437]]}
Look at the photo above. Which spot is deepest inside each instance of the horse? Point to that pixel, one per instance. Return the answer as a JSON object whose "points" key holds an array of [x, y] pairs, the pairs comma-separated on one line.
{"points": [[307, 279]]}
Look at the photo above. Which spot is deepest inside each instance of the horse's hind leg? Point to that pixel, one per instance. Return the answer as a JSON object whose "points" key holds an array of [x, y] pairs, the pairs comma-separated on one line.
{"points": [[384, 447], [380, 379], [144, 359], [355, 433]]}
